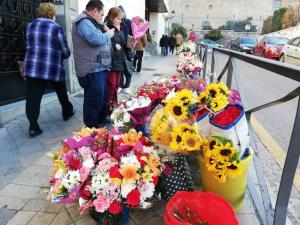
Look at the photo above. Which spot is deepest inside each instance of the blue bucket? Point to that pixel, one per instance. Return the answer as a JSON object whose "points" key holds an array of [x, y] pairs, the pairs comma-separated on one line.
{"points": [[125, 217]]}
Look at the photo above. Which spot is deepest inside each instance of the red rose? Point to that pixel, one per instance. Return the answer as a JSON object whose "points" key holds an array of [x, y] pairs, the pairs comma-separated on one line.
{"points": [[75, 164], [155, 180], [84, 192], [114, 172], [133, 198], [115, 208]]}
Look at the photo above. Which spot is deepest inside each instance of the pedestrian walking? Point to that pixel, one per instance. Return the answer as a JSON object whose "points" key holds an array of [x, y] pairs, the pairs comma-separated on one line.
{"points": [[46, 48], [172, 43], [128, 62], [113, 20], [138, 58], [161, 44], [92, 55], [165, 44]]}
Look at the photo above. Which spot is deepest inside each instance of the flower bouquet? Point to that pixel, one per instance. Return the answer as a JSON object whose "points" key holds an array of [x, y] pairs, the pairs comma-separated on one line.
{"points": [[139, 27], [74, 162], [189, 65], [101, 192]]}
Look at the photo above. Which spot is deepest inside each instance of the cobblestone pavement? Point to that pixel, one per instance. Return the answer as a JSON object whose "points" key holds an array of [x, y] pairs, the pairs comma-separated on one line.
{"points": [[25, 169]]}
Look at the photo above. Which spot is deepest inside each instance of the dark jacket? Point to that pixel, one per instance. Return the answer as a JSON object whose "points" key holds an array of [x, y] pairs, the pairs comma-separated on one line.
{"points": [[172, 42], [118, 55], [165, 41]]}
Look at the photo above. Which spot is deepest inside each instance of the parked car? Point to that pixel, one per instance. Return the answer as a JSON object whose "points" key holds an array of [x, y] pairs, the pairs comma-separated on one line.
{"points": [[211, 44], [291, 52], [270, 47], [243, 44]]}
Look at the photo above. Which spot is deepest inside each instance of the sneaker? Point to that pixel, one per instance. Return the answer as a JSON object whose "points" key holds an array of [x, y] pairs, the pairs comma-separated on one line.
{"points": [[120, 90], [127, 91]]}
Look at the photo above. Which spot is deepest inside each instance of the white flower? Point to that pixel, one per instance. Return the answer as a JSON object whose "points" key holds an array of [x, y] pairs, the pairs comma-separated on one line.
{"points": [[71, 179], [81, 201], [126, 189], [126, 117], [130, 159], [145, 205], [147, 189], [99, 182], [59, 174], [89, 163]]}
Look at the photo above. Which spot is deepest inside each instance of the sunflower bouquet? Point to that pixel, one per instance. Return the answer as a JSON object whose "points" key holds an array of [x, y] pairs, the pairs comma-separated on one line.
{"points": [[215, 97], [221, 158]]}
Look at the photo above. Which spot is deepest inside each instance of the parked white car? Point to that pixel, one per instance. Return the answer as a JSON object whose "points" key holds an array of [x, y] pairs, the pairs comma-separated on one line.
{"points": [[291, 52]]}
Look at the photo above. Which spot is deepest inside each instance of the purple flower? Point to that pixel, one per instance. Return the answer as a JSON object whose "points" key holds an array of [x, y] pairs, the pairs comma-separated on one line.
{"points": [[234, 98]]}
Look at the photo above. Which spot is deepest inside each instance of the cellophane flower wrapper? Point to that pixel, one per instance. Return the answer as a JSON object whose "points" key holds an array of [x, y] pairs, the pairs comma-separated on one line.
{"points": [[139, 27]]}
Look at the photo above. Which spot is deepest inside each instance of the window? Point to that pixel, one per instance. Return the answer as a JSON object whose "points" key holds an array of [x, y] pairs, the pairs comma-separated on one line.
{"points": [[295, 42]]}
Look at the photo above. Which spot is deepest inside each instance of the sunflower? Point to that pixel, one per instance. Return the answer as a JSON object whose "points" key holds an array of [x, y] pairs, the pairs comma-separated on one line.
{"points": [[185, 127], [212, 90], [209, 146], [184, 96], [192, 142], [224, 152], [177, 140], [202, 98], [129, 173], [233, 169], [220, 176], [177, 109], [219, 102], [223, 89]]}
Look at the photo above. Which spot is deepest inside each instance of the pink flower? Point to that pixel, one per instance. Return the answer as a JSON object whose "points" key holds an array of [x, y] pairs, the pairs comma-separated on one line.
{"points": [[101, 203], [234, 98], [86, 152]]}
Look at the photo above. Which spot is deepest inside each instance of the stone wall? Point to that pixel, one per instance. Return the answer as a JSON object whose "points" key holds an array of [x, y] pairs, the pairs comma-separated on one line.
{"points": [[218, 12]]}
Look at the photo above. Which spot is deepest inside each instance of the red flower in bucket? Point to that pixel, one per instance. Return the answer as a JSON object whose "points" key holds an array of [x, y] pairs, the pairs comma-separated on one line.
{"points": [[227, 116], [115, 208], [133, 198]]}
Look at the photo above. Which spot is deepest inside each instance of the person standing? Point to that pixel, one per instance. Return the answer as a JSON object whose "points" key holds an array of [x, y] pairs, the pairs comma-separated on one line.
{"points": [[46, 48], [179, 39], [138, 58], [161, 44], [113, 20], [165, 44], [126, 76], [92, 55], [172, 43]]}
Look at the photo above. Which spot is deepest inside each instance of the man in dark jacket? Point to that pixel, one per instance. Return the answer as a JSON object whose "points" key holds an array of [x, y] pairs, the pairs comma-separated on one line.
{"points": [[172, 43]]}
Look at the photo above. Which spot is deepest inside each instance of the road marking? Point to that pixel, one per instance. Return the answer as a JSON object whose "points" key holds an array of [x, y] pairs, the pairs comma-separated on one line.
{"points": [[273, 147]]}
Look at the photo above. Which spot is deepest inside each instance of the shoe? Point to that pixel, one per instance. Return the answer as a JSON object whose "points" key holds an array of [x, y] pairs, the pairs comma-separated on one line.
{"points": [[120, 90], [127, 91], [34, 133], [65, 118]]}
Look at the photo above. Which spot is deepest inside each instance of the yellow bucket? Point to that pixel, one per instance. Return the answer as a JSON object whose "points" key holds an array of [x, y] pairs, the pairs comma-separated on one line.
{"points": [[233, 190]]}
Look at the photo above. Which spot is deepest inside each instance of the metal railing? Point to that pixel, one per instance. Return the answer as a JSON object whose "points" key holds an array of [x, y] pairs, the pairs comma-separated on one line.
{"points": [[263, 204]]}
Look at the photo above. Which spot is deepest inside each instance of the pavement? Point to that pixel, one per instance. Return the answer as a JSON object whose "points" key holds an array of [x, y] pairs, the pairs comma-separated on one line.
{"points": [[25, 168]]}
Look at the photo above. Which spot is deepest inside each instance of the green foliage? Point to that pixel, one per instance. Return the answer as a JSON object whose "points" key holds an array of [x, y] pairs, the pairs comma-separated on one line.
{"points": [[267, 26], [214, 34], [278, 19], [178, 28]]}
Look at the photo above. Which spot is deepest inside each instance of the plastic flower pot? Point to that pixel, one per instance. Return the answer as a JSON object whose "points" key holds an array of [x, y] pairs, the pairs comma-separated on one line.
{"points": [[233, 190], [237, 131], [207, 206]]}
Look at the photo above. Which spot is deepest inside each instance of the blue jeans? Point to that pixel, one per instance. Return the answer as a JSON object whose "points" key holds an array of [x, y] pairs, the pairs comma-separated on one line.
{"points": [[95, 94], [165, 49]]}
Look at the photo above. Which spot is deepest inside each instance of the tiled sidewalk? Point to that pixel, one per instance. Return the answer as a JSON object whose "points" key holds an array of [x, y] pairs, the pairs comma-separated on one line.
{"points": [[25, 169]]}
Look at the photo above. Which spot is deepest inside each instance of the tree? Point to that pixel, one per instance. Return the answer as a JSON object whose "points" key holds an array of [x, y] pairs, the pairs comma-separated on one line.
{"points": [[178, 28], [267, 26], [214, 34], [277, 19], [291, 17]]}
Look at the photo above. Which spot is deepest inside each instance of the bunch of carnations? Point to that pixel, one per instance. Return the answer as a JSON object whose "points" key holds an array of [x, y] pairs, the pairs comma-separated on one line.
{"points": [[101, 192]]}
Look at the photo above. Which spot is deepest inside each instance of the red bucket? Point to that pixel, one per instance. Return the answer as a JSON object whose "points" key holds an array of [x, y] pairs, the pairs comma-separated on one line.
{"points": [[202, 205]]}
